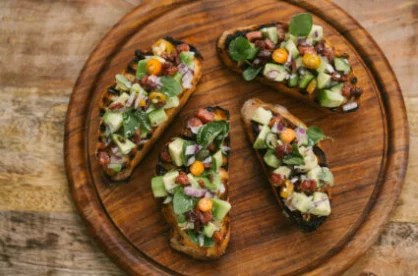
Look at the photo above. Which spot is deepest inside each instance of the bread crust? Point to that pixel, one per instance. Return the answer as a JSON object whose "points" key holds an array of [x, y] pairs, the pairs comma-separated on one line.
{"points": [[139, 154], [294, 92]]}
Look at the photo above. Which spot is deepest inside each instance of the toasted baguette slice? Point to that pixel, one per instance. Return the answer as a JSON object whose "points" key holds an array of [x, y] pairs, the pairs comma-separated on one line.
{"points": [[310, 94], [180, 239], [143, 144], [305, 220]]}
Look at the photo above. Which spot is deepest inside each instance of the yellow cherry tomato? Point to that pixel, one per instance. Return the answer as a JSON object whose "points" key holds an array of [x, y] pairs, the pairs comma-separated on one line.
{"points": [[311, 87], [280, 55], [153, 66], [287, 135], [157, 97], [197, 168], [287, 189], [205, 204], [223, 174], [311, 61], [163, 46]]}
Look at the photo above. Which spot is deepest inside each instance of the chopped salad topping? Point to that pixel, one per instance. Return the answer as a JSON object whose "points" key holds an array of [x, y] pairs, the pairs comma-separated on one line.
{"points": [[137, 103], [192, 176], [298, 56], [299, 174]]}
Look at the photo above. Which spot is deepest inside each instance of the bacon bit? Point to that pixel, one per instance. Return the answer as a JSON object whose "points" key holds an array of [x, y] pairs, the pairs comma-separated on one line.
{"points": [[251, 36], [104, 157], [276, 179], [182, 179], [323, 50], [165, 156], [346, 91], [205, 217], [269, 44], [260, 44], [218, 237], [282, 150], [201, 183], [115, 106], [183, 47], [308, 185], [169, 69], [275, 119], [100, 145], [306, 49], [205, 116], [356, 92], [194, 122]]}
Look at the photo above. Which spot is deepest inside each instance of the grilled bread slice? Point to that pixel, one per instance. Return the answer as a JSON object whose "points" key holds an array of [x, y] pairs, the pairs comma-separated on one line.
{"points": [[293, 161], [137, 108], [192, 178], [304, 67]]}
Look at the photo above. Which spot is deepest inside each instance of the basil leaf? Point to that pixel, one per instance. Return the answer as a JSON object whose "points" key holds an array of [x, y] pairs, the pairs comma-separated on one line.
{"points": [[133, 120], [182, 203], [250, 73], [240, 49], [141, 70], [315, 134], [171, 87], [294, 158], [301, 24], [210, 131]]}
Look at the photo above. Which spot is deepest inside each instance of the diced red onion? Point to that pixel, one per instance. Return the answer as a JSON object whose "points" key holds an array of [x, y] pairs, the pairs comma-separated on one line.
{"points": [[193, 149], [350, 106], [329, 68], [208, 194], [191, 160], [182, 68], [194, 192], [273, 74], [155, 80], [300, 134], [115, 151], [131, 99], [280, 127], [187, 79], [207, 160], [294, 180]]}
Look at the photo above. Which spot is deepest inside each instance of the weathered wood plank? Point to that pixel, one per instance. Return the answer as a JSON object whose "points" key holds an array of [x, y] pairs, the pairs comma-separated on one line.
{"points": [[40, 243]]}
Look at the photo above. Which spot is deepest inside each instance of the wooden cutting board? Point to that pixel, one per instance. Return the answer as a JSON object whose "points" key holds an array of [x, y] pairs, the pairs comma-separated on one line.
{"points": [[368, 154]]}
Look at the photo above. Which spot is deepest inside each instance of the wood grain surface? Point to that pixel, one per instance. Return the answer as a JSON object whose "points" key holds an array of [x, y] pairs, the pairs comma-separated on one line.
{"points": [[43, 46]]}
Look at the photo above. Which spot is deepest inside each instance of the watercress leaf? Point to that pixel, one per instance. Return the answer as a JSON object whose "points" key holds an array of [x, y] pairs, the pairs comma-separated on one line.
{"points": [[315, 134], [250, 73], [141, 70], [170, 86], [133, 120], [294, 158], [240, 49], [182, 203], [301, 24], [210, 131]]}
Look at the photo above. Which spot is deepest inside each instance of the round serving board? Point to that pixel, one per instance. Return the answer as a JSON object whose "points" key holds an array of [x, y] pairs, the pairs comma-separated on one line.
{"points": [[368, 153]]}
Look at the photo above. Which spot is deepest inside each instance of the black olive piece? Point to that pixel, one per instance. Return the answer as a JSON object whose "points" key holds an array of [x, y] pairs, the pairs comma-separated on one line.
{"points": [[139, 54], [160, 169], [102, 111], [140, 147], [113, 91], [356, 91], [132, 155], [353, 80], [102, 127]]}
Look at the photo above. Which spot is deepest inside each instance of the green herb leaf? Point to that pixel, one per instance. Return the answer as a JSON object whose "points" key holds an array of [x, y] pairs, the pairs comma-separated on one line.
{"points": [[187, 58], [141, 70], [315, 134], [240, 49], [171, 87], [250, 73], [133, 120], [210, 131], [182, 203], [294, 158], [301, 24]]}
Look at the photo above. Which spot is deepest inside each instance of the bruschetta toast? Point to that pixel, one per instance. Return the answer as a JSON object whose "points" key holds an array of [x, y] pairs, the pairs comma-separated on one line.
{"points": [[192, 179], [137, 108], [293, 161], [293, 59]]}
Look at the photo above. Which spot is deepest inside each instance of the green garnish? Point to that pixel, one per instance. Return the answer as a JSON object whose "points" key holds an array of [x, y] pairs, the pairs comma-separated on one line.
{"points": [[182, 203], [133, 120], [170, 86], [210, 131], [187, 58], [301, 24], [250, 73], [315, 134], [294, 158], [141, 70], [240, 49]]}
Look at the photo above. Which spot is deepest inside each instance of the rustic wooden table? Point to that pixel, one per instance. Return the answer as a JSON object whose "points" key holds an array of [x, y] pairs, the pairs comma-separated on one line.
{"points": [[43, 46]]}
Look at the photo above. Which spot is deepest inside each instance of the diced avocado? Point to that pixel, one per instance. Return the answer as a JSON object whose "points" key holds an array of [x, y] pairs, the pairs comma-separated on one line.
{"points": [[141, 70], [270, 33], [338, 88], [193, 181], [260, 142], [293, 80], [271, 140], [122, 83], [291, 48], [175, 149], [178, 77], [169, 180], [220, 208], [217, 157], [317, 33], [275, 72], [157, 186], [323, 65], [122, 98], [301, 202], [150, 109], [115, 167], [124, 145], [323, 80], [215, 183], [271, 159], [262, 116], [172, 102], [322, 175], [209, 229], [321, 205], [328, 98], [157, 116], [187, 58], [299, 62], [309, 158], [283, 171], [113, 120], [342, 65], [305, 78]]}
